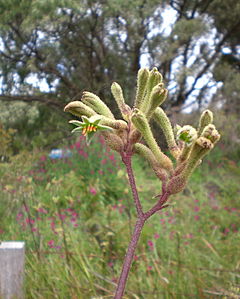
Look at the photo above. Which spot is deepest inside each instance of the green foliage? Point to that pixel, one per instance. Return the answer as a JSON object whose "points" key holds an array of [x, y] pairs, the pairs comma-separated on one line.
{"points": [[6, 138], [185, 29], [31, 125], [191, 250]]}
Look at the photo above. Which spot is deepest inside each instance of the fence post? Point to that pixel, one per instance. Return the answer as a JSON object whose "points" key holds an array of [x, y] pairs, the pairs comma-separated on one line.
{"points": [[11, 270]]}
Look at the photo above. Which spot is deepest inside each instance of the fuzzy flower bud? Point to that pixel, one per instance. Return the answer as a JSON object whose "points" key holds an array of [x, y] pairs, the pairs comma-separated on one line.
{"points": [[157, 97], [211, 133], [154, 78], [176, 184], [141, 123], [93, 101], [147, 154], [142, 80], [118, 96], [200, 148], [134, 136], [78, 108], [163, 121], [187, 134], [115, 124], [205, 119], [113, 141]]}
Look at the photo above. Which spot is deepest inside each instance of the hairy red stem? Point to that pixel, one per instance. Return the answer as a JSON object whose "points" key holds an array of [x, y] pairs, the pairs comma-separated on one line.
{"points": [[128, 258], [141, 218]]}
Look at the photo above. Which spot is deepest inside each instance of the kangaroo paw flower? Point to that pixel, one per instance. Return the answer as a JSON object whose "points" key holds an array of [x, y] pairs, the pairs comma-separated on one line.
{"points": [[89, 126]]}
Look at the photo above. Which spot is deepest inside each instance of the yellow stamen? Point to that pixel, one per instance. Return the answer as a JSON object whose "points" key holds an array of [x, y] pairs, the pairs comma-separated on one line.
{"points": [[84, 131]]}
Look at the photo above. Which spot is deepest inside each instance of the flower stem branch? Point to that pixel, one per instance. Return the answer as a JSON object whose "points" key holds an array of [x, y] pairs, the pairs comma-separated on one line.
{"points": [[141, 219], [127, 160]]}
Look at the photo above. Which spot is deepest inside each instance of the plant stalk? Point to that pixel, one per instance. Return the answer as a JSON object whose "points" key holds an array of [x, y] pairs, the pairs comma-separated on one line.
{"points": [[141, 219], [129, 257]]}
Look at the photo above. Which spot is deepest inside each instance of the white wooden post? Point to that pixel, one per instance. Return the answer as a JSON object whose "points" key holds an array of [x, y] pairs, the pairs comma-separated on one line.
{"points": [[12, 270]]}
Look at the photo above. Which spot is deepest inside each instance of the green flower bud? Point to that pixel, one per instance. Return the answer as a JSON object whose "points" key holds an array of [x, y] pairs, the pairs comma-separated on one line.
{"points": [[157, 97], [205, 119], [141, 123], [154, 78], [187, 134], [147, 154], [184, 153], [200, 148], [163, 121], [118, 96], [115, 124], [78, 108], [142, 81], [93, 101]]}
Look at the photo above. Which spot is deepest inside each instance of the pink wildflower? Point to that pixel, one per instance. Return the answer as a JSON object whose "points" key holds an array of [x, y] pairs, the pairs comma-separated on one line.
{"points": [[150, 244], [51, 243], [104, 161], [42, 210], [92, 190], [196, 209], [43, 158], [162, 221]]}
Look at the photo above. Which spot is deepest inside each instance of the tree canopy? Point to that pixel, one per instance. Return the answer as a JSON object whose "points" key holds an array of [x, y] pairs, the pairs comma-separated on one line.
{"points": [[53, 50]]}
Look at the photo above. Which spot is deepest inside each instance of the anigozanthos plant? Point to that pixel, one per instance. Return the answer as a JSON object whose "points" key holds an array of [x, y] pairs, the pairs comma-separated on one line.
{"points": [[133, 135]]}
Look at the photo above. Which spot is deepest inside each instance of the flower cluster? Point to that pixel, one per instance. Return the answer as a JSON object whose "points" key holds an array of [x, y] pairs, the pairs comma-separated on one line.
{"points": [[187, 146]]}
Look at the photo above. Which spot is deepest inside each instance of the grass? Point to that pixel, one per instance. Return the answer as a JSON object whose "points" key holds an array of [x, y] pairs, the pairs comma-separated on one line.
{"points": [[76, 217]]}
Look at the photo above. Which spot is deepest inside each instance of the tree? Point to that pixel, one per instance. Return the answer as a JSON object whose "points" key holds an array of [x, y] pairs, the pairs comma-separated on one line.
{"points": [[71, 45]]}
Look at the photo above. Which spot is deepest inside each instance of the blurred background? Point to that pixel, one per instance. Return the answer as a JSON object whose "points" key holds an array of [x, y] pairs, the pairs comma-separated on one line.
{"points": [[53, 50], [50, 52]]}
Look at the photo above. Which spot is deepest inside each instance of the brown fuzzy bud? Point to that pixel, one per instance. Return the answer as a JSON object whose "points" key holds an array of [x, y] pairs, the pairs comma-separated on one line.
{"points": [[176, 184], [113, 141], [211, 133], [134, 136], [204, 143], [78, 108]]}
